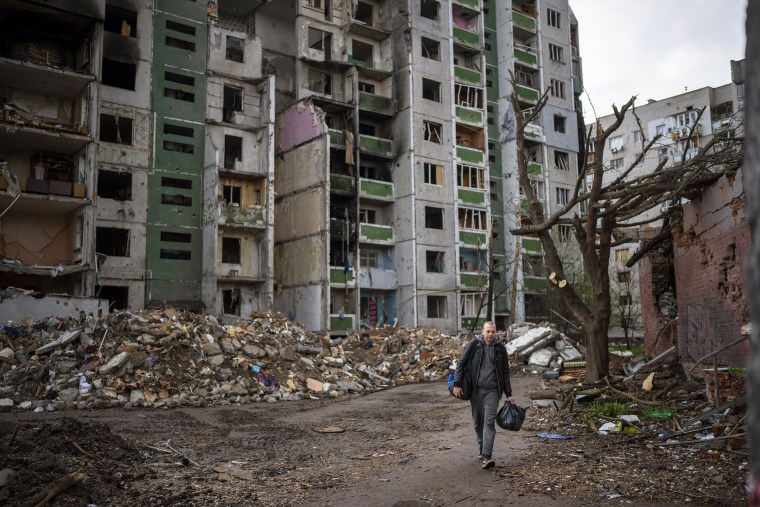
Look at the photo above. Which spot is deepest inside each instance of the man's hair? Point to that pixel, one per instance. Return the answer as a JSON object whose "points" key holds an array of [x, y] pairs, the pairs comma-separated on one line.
{"points": [[489, 323]]}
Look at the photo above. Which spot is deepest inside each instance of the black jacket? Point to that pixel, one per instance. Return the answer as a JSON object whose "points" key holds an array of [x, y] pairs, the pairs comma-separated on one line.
{"points": [[473, 355]]}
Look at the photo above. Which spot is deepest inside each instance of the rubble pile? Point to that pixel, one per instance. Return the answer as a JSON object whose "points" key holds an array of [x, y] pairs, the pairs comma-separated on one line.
{"points": [[169, 358], [541, 346]]}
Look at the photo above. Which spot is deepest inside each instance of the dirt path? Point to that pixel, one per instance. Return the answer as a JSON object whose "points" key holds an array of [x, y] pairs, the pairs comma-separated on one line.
{"points": [[407, 446]]}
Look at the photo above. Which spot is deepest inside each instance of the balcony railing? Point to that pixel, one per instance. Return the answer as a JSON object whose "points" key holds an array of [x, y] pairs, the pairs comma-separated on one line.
{"points": [[527, 94], [337, 138], [231, 215], [534, 132], [376, 278], [473, 238], [526, 58], [473, 323], [342, 183], [375, 102], [468, 76], [466, 37], [523, 21], [471, 196], [535, 170], [470, 4], [468, 115], [376, 145], [373, 233], [340, 323], [471, 155], [374, 189], [531, 284], [532, 245], [473, 280], [339, 276]]}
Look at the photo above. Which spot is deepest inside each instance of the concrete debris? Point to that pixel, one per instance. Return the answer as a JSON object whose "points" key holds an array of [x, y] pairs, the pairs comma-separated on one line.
{"points": [[541, 346], [168, 358]]}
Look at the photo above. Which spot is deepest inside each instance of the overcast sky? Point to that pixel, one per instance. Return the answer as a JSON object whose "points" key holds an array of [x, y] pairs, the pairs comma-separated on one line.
{"points": [[654, 49]]}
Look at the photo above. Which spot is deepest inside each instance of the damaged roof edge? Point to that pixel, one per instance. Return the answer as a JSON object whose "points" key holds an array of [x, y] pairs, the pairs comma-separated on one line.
{"points": [[94, 9]]}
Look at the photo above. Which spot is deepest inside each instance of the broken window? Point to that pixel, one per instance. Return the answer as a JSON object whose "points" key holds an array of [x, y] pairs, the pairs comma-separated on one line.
{"points": [[233, 151], [436, 307], [366, 87], [320, 40], [174, 254], [178, 130], [563, 233], [118, 297], [361, 53], [625, 300], [367, 216], [433, 217], [119, 74], [563, 195], [317, 4], [234, 49], [429, 9], [430, 49], [624, 277], [121, 21], [232, 194], [431, 90], [172, 91], [556, 53], [431, 132], [561, 160], [115, 185], [468, 96], [470, 218], [554, 18], [112, 241], [231, 301], [177, 42], [469, 304], [434, 262], [363, 13], [176, 199], [557, 88], [176, 182], [115, 129], [433, 173], [366, 129], [368, 259], [231, 250], [320, 82], [232, 102], [559, 123], [176, 237], [471, 177], [622, 255]]}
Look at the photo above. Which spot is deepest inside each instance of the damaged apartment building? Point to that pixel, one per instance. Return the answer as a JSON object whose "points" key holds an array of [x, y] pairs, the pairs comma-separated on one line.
{"points": [[137, 138], [348, 163]]}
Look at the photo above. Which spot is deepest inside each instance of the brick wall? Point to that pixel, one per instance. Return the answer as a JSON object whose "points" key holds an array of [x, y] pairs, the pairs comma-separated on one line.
{"points": [[658, 301], [709, 259]]}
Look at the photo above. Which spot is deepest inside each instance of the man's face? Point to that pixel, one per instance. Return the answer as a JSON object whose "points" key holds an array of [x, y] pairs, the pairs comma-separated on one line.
{"points": [[489, 333]]}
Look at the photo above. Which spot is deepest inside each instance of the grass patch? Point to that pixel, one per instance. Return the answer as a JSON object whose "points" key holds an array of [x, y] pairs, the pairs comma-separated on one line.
{"points": [[611, 409], [658, 414], [637, 349]]}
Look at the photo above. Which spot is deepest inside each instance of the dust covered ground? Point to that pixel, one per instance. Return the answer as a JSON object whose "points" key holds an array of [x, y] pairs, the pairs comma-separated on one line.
{"points": [[406, 446]]}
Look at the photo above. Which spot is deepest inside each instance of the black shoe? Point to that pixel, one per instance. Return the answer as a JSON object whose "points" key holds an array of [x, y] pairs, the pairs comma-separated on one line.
{"points": [[488, 463]]}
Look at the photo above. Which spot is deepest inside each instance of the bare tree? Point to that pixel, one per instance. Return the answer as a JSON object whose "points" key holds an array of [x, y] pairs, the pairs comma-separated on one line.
{"points": [[626, 305], [614, 204]]}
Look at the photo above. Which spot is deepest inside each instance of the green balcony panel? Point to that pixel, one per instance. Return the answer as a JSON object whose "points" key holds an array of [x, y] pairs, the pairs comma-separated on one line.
{"points": [[346, 323], [339, 275], [527, 94], [373, 232], [337, 138], [373, 188], [473, 281], [534, 284], [342, 182], [377, 102], [360, 63], [525, 205], [473, 323], [466, 37], [471, 4], [470, 238], [532, 245], [535, 170], [468, 76], [524, 21], [468, 196], [376, 144], [469, 115], [470, 155], [526, 58]]}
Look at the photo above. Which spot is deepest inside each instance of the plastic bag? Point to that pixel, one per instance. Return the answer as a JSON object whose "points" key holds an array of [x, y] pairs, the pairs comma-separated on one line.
{"points": [[510, 416]]}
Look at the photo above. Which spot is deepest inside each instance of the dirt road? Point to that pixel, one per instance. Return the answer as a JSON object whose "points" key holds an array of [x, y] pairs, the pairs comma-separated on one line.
{"points": [[407, 446]]}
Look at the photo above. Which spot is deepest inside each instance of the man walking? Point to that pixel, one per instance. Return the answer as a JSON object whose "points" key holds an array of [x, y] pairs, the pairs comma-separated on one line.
{"points": [[489, 374]]}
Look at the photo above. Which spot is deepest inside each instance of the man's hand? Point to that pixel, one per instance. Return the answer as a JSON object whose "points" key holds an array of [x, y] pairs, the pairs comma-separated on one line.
{"points": [[510, 399], [458, 392]]}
